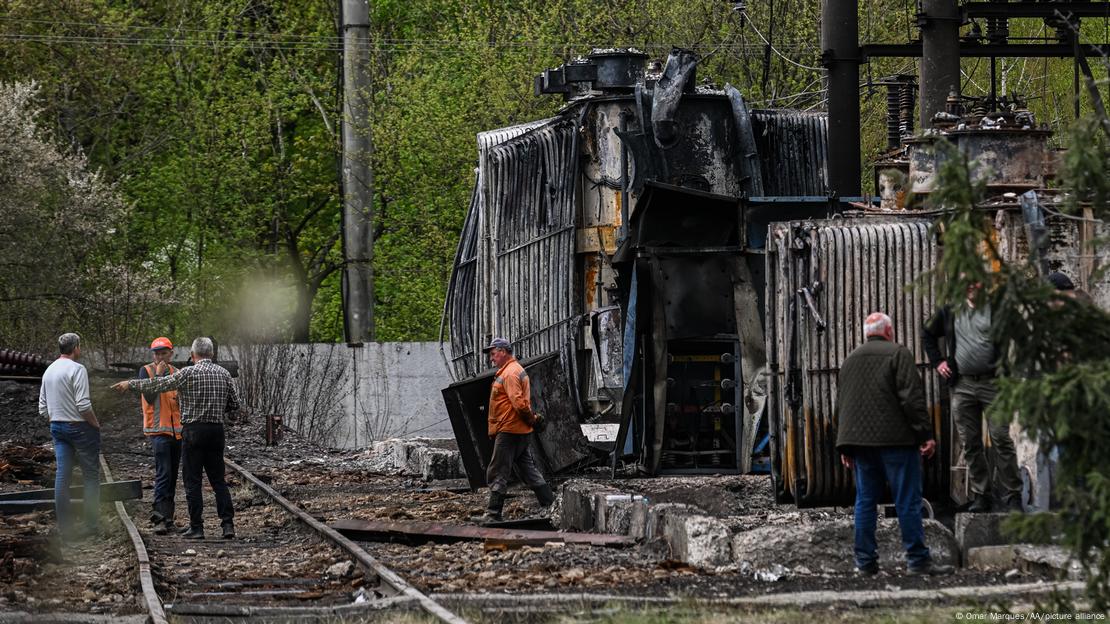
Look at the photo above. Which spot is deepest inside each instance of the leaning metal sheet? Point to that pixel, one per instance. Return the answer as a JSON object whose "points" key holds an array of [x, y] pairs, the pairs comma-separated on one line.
{"points": [[825, 277]]}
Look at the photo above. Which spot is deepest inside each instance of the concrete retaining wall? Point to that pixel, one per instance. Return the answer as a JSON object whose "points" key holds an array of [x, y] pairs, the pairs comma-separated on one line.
{"points": [[358, 395]]}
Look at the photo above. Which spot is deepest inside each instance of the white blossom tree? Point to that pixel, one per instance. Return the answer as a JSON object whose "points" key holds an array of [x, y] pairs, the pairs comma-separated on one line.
{"points": [[57, 220]]}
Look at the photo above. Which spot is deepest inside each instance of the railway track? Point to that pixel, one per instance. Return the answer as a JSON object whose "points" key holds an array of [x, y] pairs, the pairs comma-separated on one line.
{"points": [[305, 575]]}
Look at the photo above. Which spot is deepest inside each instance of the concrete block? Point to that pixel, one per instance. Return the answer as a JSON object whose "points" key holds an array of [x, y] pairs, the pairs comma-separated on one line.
{"points": [[698, 540], [437, 464], [577, 504], [1030, 558], [979, 529], [826, 547], [637, 523], [613, 511], [403, 457], [648, 521], [1048, 558], [1002, 557]]}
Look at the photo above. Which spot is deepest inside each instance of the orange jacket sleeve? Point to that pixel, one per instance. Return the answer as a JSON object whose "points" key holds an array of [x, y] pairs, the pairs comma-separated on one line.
{"points": [[518, 390]]}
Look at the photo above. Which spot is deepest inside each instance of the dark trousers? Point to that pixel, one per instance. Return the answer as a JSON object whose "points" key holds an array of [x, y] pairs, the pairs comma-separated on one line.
{"points": [[76, 443], [969, 400], [510, 450], [203, 451], [167, 459], [899, 466]]}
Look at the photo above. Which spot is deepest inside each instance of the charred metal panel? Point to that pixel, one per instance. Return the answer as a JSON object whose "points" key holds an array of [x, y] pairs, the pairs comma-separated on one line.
{"points": [[672, 216], [824, 278], [608, 348], [701, 150], [558, 445], [561, 442], [678, 77], [703, 158], [697, 294], [746, 150], [792, 151]]}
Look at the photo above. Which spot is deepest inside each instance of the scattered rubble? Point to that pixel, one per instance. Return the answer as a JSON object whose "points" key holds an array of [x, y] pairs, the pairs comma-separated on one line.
{"points": [[26, 465], [430, 459], [19, 413], [97, 575]]}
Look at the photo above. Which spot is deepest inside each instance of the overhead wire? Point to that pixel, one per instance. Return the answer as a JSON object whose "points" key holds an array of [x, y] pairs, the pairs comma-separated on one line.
{"points": [[777, 52]]}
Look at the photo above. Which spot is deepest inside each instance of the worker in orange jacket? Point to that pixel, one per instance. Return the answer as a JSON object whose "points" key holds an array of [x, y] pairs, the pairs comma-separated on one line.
{"points": [[510, 424], [162, 426]]}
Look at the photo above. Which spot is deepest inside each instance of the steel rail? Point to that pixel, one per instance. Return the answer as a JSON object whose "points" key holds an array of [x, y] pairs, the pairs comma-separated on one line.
{"points": [[385, 575], [146, 579]]}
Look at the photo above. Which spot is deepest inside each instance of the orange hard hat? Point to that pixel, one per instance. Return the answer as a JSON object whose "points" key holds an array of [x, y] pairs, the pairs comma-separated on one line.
{"points": [[161, 342]]}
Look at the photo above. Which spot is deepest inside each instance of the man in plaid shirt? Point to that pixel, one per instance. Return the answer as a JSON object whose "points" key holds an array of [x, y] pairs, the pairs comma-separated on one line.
{"points": [[206, 393]]}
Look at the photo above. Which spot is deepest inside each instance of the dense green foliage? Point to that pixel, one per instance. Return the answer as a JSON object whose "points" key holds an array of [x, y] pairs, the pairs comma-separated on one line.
{"points": [[219, 120], [1057, 350]]}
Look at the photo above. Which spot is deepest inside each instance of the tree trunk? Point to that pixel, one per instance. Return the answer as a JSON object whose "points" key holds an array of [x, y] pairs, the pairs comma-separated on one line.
{"points": [[302, 314]]}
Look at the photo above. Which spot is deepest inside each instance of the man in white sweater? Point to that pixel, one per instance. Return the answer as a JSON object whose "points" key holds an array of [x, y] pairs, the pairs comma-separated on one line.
{"points": [[64, 398]]}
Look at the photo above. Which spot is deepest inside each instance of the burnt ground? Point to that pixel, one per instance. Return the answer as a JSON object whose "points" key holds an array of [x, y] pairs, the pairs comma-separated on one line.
{"points": [[99, 576]]}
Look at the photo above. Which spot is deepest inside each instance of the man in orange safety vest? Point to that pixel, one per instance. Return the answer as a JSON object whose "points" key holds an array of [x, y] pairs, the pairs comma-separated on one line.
{"points": [[511, 421], [162, 426]]}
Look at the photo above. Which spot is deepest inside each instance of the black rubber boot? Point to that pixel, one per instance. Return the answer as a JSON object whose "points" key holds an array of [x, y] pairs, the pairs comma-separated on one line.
{"points": [[493, 509], [544, 494]]}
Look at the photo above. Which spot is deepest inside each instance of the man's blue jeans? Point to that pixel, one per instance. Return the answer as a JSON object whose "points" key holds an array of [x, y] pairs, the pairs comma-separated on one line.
{"points": [[900, 466], [76, 442], [167, 459]]}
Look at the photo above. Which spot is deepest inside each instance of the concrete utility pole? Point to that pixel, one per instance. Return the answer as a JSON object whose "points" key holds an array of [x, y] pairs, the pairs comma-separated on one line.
{"points": [[940, 56], [358, 175], [840, 54]]}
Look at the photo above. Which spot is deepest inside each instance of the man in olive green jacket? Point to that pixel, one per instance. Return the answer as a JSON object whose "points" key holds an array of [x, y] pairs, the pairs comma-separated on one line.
{"points": [[883, 431]]}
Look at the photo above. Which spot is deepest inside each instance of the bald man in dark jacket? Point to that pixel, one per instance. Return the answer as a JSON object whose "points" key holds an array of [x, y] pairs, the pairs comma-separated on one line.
{"points": [[883, 431]]}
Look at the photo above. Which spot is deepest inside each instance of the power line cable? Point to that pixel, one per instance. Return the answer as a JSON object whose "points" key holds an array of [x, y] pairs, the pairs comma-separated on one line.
{"points": [[777, 52]]}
